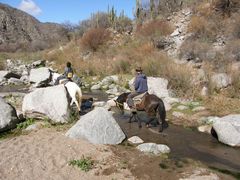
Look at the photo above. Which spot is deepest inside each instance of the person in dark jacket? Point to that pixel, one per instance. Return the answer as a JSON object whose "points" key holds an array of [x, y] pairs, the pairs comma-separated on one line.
{"points": [[68, 73], [140, 86]]}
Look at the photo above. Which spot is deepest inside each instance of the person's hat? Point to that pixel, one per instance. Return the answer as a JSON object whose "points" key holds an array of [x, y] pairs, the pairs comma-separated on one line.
{"points": [[139, 69]]}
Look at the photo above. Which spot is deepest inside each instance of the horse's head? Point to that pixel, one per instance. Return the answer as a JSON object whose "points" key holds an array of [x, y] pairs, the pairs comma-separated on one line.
{"points": [[121, 99]]}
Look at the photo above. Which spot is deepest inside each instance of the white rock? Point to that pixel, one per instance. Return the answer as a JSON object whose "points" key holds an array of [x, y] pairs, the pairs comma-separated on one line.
{"points": [[48, 102], [199, 108], [98, 127], [228, 129], [182, 107], [8, 116], [96, 87], [178, 114], [154, 148], [221, 80], [135, 140], [205, 129]]}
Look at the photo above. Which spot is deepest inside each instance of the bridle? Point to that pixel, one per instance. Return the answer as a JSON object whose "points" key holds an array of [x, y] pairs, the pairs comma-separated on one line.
{"points": [[118, 104]]}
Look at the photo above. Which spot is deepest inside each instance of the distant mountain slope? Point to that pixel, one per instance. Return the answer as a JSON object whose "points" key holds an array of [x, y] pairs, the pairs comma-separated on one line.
{"points": [[21, 31]]}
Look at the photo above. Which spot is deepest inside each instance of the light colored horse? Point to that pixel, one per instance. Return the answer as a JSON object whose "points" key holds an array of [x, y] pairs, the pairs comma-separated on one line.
{"points": [[73, 89]]}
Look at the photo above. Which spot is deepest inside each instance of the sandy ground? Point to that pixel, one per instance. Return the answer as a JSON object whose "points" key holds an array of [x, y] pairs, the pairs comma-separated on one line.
{"points": [[45, 154]]}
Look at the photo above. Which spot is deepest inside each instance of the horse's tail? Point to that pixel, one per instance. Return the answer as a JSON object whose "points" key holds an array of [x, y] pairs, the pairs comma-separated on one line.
{"points": [[161, 115]]}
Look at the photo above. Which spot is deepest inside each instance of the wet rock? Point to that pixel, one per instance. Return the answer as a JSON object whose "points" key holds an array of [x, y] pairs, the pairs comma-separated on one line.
{"points": [[154, 148], [8, 116], [228, 129], [98, 127], [50, 102]]}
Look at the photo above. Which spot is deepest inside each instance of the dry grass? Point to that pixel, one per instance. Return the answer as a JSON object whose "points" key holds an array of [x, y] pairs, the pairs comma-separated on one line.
{"points": [[204, 28], [232, 50], [221, 105], [197, 49], [156, 28], [204, 8]]}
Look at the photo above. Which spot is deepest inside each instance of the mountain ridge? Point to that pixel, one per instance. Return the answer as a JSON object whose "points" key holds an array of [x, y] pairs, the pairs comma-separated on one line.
{"points": [[21, 31]]}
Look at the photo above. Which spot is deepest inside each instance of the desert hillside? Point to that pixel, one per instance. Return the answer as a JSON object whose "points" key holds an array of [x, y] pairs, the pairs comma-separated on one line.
{"points": [[21, 31]]}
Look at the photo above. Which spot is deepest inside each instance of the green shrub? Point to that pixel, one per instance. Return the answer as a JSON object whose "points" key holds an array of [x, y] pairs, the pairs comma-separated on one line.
{"points": [[25, 124], [85, 164]]}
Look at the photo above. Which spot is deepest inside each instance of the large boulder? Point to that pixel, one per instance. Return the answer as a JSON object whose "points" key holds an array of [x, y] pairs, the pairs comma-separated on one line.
{"points": [[228, 129], [156, 85], [50, 102], [98, 127], [40, 76], [8, 116]]}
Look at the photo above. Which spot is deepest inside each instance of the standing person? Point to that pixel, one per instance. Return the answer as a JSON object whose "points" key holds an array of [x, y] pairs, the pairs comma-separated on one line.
{"points": [[68, 73], [140, 86]]}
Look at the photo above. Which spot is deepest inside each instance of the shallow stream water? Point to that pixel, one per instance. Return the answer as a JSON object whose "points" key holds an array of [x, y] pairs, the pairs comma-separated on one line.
{"points": [[183, 142]]}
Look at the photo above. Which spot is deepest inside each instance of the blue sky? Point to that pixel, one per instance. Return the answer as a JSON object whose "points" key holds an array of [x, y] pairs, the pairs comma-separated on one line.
{"points": [[60, 11]]}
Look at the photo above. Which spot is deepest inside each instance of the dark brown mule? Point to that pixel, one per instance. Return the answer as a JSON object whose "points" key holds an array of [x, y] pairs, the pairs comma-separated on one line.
{"points": [[151, 104]]}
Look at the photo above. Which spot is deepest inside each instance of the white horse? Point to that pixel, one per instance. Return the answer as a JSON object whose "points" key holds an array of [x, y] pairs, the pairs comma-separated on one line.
{"points": [[73, 89]]}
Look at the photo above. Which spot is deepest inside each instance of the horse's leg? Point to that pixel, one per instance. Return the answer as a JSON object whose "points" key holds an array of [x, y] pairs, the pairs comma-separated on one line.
{"points": [[79, 92], [130, 119], [149, 121], [137, 119], [139, 122], [76, 102]]}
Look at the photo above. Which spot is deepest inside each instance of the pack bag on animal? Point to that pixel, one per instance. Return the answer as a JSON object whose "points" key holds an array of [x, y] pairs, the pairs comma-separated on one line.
{"points": [[70, 73]]}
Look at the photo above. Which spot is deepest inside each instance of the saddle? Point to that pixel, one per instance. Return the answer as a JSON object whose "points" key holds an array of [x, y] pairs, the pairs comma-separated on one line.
{"points": [[138, 99]]}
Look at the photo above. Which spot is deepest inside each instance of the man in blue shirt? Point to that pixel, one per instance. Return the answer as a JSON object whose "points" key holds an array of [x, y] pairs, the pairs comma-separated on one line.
{"points": [[140, 86]]}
